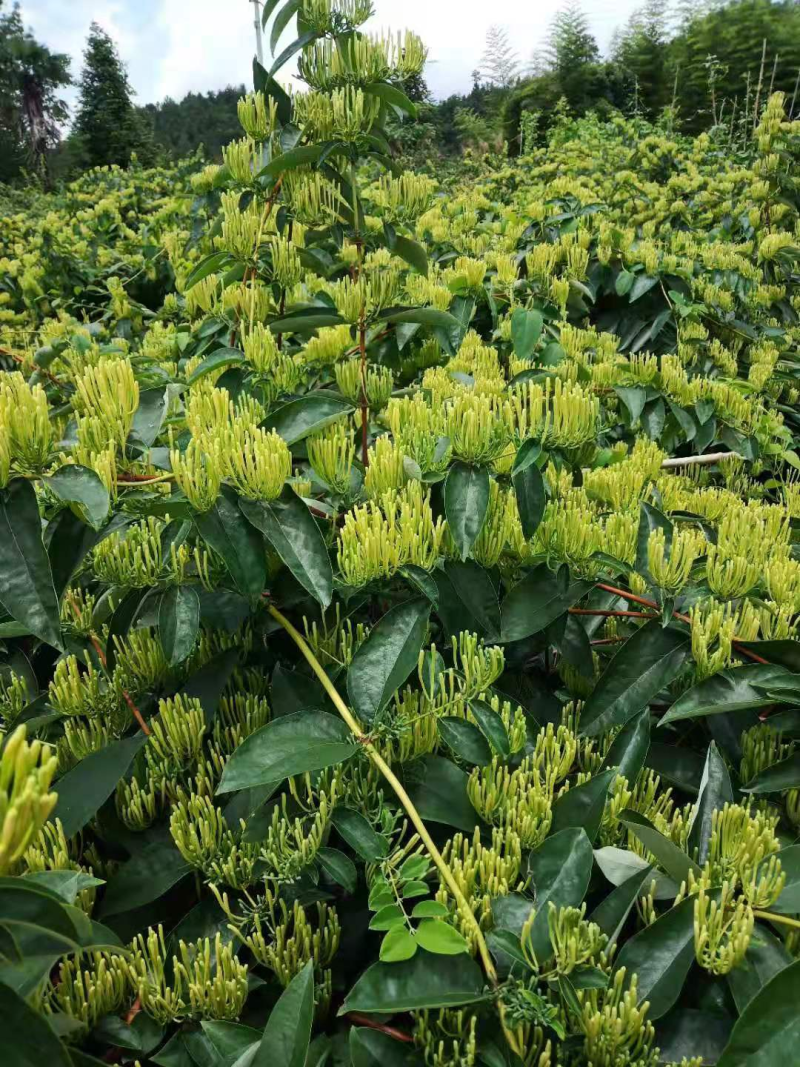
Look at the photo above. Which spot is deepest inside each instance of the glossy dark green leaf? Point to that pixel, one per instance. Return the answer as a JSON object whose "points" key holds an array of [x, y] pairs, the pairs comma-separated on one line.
{"points": [[774, 779], [150, 415], [66, 884], [219, 360], [650, 520], [339, 867], [357, 831], [424, 316], [372, 1048], [426, 981], [783, 653], [648, 661], [539, 599], [388, 656], [292, 531], [491, 726], [439, 793], [150, 873], [230, 1040], [661, 956], [688, 1032], [715, 792], [88, 786], [27, 591], [28, 1041], [612, 912], [209, 265], [289, 745], [729, 690], [297, 419], [466, 501], [629, 748], [82, 488], [526, 329], [633, 397], [465, 740], [296, 157], [241, 546], [287, 1034], [412, 252], [560, 869], [788, 903], [768, 1031], [178, 622], [531, 497], [582, 806], [467, 600], [672, 858], [766, 956], [392, 95]]}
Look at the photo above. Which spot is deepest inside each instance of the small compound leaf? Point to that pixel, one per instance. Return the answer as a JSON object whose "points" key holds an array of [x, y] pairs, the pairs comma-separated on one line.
{"points": [[440, 938]]}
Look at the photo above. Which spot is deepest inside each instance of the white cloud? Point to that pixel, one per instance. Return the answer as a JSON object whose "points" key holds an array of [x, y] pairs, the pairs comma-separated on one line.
{"points": [[173, 47]]}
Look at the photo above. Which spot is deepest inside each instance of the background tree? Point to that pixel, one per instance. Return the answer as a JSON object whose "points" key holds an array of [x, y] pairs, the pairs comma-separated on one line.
{"points": [[499, 62], [30, 109], [642, 51], [570, 50], [109, 127]]}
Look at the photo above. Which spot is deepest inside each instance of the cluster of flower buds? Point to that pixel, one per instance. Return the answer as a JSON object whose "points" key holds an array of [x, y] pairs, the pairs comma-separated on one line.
{"points": [[26, 771], [447, 1037]]}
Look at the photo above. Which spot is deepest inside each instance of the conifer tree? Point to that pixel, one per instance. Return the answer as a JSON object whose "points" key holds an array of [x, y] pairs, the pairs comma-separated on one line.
{"points": [[108, 125], [499, 62]]}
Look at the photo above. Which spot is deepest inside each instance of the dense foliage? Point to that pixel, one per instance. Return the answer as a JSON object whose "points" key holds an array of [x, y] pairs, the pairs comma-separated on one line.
{"points": [[401, 590]]}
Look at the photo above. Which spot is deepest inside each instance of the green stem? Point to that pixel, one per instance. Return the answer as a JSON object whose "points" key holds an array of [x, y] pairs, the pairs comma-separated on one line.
{"points": [[773, 918], [396, 784]]}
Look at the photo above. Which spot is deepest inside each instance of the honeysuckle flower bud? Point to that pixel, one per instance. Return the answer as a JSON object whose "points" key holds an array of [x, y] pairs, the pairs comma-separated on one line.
{"points": [[131, 558], [258, 115], [379, 383], [240, 227], [198, 473], [447, 1036], [722, 930], [108, 393], [614, 1025], [257, 462], [482, 872], [331, 455], [176, 734], [671, 574], [516, 800], [26, 771], [386, 469], [26, 435], [138, 806], [89, 987]]}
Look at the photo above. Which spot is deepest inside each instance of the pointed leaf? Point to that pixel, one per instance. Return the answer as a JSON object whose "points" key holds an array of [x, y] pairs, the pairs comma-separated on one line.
{"points": [[560, 869], [82, 487], [539, 599], [88, 786], [26, 591], [531, 497], [178, 622], [385, 660], [241, 546], [768, 1031], [287, 1034], [426, 981], [661, 956]]}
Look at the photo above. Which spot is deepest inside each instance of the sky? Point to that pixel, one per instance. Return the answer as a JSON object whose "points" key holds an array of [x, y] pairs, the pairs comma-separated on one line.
{"points": [[172, 47]]}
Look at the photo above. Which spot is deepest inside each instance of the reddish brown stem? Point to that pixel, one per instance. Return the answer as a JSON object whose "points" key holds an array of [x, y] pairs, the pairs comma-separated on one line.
{"points": [[742, 651], [613, 614], [136, 713], [362, 347], [607, 641], [373, 1024]]}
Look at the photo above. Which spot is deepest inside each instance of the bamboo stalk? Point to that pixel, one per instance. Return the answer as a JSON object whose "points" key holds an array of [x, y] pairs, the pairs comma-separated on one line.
{"points": [[698, 461]]}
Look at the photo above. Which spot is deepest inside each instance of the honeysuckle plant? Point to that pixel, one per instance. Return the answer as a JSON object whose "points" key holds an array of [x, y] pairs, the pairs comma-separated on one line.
{"points": [[399, 648]]}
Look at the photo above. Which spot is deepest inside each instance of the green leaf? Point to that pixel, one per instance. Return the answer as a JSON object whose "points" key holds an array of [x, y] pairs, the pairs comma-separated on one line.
{"points": [[178, 622], [338, 867], [297, 157], [66, 884], [672, 858], [387, 917], [357, 831], [650, 520], [629, 748], [223, 357], [88, 786], [777, 778], [398, 945], [306, 321], [148, 875], [531, 496], [536, 601], [414, 254], [422, 982], [467, 600], [372, 1048], [429, 909], [392, 95], [785, 653], [491, 726], [150, 415], [209, 265], [299, 418], [729, 690], [466, 501], [642, 284], [612, 913], [282, 20], [661, 956], [560, 868], [287, 1034], [241, 546], [424, 316], [301, 42], [768, 1031], [647, 662], [766, 956], [583, 804], [292, 531], [633, 397], [440, 793], [81, 487], [441, 938], [28, 1041], [27, 591], [526, 329], [387, 657], [289, 745], [466, 740], [788, 903], [625, 280], [715, 792]]}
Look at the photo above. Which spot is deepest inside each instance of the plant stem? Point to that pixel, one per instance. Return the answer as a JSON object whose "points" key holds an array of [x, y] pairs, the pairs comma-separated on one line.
{"points": [[773, 918], [396, 784]]}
